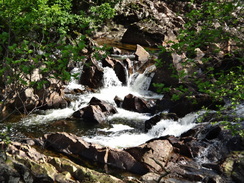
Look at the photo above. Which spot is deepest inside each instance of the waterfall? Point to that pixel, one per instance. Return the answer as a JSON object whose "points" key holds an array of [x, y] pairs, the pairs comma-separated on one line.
{"points": [[110, 79], [73, 84], [126, 127]]}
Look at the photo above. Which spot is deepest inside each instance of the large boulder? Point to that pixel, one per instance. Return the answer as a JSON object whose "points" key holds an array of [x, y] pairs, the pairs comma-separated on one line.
{"points": [[125, 161], [92, 74], [76, 146], [186, 105], [106, 107], [96, 112], [141, 54], [135, 34], [91, 114], [120, 71], [133, 103], [154, 154]]}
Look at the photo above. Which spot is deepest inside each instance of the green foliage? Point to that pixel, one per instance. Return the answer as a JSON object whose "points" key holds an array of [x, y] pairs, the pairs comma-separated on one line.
{"points": [[99, 15], [4, 136], [32, 32], [216, 28], [102, 12], [42, 37]]}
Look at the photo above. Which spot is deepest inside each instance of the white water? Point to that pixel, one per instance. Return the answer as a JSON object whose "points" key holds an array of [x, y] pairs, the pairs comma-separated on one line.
{"points": [[119, 135], [117, 139]]}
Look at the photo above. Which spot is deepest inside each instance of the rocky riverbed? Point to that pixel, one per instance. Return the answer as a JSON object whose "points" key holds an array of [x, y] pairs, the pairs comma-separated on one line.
{"points": [[204, 152]]}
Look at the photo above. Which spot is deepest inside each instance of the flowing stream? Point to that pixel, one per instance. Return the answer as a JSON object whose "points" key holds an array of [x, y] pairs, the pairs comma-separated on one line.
{"points": [[124, 129]]}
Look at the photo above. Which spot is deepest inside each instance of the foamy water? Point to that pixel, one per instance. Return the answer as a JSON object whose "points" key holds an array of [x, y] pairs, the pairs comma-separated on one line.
{"points": [[130, 139], [125, 132]]}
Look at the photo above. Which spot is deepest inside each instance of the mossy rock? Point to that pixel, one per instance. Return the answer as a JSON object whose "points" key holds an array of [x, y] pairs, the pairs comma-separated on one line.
{"points": [[234, 166]]}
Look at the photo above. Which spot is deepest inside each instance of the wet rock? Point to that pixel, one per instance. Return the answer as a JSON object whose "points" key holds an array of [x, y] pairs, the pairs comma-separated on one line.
{"points": [[96, 112], [194, 174], [163, 104], [91, 114], [108, 62], [120, 71], [133, 103], [186, 105], [107, 108], [210, 132], [91, 75], [129, 65], [72, 145], [155, 119], [118, 101], [213, 166]]}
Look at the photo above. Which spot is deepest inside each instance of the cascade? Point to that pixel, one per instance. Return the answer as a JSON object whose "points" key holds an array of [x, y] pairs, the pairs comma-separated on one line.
{"points": [[126, 127]]}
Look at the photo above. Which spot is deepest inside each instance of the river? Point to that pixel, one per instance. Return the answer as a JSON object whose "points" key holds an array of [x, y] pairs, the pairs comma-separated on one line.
{"points": [[123, 129]]}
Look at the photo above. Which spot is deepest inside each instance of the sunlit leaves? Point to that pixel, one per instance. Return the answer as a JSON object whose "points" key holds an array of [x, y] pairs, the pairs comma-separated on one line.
{"points": [[213, 24]]}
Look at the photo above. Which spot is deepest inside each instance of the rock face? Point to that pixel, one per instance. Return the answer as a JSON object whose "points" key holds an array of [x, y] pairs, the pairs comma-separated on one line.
{"points": [[149, 23]]}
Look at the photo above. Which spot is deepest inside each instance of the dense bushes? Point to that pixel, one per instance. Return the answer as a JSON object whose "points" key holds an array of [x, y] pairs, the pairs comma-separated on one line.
{"points": [[42, 36], [215, 28]]}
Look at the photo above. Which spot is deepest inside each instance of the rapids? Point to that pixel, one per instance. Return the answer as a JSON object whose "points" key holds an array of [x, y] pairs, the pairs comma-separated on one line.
{"points": [[124, 129]]}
